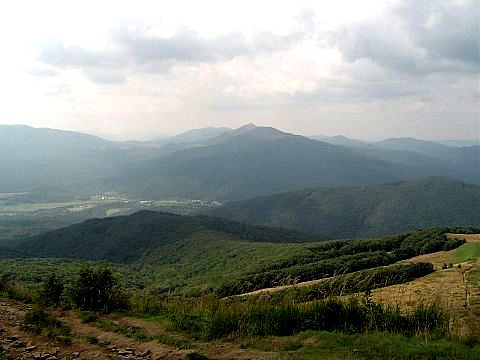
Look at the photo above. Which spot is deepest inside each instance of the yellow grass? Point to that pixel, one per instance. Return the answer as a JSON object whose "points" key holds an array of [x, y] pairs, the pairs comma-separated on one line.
{"points": [[466, 237], [444, 287]]}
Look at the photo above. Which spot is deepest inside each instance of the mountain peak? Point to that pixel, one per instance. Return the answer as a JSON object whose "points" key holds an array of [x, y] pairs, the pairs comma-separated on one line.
{"points": [[248, 126]]}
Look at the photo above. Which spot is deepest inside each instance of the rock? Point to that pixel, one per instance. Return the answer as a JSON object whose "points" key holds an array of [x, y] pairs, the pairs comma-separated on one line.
{"points": [[75, 354], [18, 344], [30, 348], [125, 351], [146, 353]]}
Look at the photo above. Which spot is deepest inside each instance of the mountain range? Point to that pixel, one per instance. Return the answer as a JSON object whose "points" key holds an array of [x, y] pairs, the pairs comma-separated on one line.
{"points": [[216, 163]]}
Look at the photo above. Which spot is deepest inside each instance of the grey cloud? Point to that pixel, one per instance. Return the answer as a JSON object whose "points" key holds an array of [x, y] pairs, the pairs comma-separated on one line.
{"points": [[57, 54], [420, 36], [96, 65], [446, 30], [187, 46], [134, 46]]}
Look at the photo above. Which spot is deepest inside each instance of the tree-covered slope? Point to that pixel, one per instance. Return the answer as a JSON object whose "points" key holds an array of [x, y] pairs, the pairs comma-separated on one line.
{"points": [[357, 211], [129, 238]]}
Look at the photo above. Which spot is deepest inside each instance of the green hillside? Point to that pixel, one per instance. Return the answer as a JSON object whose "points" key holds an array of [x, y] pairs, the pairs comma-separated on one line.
{"points": [[129, 238], [199, 253], [361, 211]]}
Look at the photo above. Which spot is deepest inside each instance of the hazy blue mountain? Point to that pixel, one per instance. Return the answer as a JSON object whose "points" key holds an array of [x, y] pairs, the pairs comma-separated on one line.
{"points": [[32, 158], [253, 161], [237, 164], [425, 147], [459, 142], [359, 211], [193, 136], [465, 159], [339, 140]]}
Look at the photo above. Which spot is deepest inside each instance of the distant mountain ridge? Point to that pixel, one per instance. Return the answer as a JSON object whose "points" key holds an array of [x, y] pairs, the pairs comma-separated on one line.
{"points": [[212, 163], [193, 136], [32, 158], [361, 211], [254, 161]]}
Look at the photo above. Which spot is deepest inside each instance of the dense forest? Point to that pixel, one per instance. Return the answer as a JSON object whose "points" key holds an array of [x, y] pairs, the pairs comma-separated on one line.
{"points": [[362, 211]]}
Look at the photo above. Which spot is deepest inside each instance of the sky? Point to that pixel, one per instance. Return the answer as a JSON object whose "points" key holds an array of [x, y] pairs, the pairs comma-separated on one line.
{"points": [[140, 69]]}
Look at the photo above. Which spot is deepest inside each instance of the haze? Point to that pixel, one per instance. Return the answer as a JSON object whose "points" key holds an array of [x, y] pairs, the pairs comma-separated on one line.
{"points": [[135, 70]]}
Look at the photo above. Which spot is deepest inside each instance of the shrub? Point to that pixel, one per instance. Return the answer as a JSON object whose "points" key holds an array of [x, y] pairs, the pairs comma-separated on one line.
{"points": [[51, 291], [38, 321], [88, 317], [97, 291]]}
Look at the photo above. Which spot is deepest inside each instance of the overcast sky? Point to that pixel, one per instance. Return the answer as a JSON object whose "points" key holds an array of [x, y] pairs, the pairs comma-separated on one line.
{"points": [[136, 69]]}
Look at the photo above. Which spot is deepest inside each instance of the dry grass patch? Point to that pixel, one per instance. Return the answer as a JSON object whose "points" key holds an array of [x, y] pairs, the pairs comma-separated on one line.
{"points": [[445, 287], [437, 259], [466, 237]]}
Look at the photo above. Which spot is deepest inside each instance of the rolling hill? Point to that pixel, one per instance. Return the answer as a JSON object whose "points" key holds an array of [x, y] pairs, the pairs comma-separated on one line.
{"points": [[359, 211], [129, 238]]}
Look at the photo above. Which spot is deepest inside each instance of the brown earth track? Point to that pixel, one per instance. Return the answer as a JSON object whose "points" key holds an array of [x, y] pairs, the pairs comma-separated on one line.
{"points": [[23, 345]]}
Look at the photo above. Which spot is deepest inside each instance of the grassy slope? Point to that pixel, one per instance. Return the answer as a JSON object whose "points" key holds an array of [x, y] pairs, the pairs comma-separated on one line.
{"points": [[466, 252], [359, 211]]}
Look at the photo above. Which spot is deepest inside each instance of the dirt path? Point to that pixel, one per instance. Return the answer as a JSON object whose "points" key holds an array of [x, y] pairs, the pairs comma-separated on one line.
{"points": [[18, 344], [24, 345]]}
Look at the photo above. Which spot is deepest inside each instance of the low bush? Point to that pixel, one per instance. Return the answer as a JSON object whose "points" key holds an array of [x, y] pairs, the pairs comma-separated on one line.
{"points": [[38, 321]]}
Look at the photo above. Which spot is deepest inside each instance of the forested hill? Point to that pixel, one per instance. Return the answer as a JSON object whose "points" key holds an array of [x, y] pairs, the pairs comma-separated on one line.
{"points": [[361, 211], [128, 238]]}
